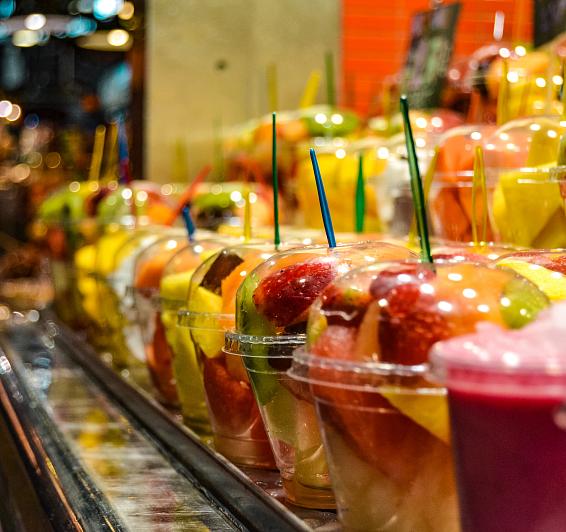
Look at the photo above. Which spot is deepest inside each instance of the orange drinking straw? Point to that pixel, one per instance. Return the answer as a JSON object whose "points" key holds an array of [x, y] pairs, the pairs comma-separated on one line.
{"points": [[503, 96], [188, 193]]}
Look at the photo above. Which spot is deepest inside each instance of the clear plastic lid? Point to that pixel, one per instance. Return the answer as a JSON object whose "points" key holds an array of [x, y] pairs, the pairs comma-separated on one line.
{"points": [[546, 269], [393, 313], [456, 153], [177, 273], [141, 200], [211, 301], [152, 260], [524, 143], [273, 302], [469, 252]]}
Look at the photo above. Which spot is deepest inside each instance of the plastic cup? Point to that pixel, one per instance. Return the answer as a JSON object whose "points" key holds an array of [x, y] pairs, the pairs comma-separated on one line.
{"points": [[384, 425], [506, 392], [287, 409], [527, 206], [149, 268], [173, 292], [526, 186], [286, 406], [385, 431], [237, 427], [451, 192], [116, 303]]}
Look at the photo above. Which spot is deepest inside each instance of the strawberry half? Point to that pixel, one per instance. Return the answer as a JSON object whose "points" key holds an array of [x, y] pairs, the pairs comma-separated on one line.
{"points": [[285, 296]]}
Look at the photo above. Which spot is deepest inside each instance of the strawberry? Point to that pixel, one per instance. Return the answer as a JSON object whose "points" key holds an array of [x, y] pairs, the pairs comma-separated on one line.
{"points": [[285, 296], [409, 327], [159, 361], [557, 265], [231, 403], [409, 323], [396, 275]]}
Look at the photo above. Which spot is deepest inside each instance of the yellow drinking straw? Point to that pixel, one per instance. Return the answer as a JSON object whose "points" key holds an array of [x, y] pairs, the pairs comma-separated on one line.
{"points": [[247, 215], [311, 90], [479, 182], [503, 96], [97, 153]]}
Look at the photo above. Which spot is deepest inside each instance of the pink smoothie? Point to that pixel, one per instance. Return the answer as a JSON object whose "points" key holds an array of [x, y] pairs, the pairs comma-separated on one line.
{"points": [[507, 391]]}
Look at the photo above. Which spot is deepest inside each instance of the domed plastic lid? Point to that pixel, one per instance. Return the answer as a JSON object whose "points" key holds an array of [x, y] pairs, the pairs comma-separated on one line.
{"points": [[546, 269], [469, 252], [211, 300], [394, 313], [456, 152], [524, 143], [524, 363], [178, 271], [273, 302]]}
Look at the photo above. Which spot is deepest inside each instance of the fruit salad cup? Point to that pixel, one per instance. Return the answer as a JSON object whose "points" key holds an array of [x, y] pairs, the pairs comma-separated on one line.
{"points": [[271, 311], [238, 429], [384, 425], [546, 269], [450, 199], [115, 274], [149, 267], [173, 349], [526, 185]]}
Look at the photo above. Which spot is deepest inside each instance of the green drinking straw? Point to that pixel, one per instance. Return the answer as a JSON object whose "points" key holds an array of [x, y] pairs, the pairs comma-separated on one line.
{"points": [[276, 235], [330, 87], [360, 196], [324, 210], [479, 183], [416, 184]]}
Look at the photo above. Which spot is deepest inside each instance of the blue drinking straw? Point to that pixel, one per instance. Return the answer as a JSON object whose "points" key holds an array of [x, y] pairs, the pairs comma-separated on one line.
{"points": [[189, 224], [325, 211]]}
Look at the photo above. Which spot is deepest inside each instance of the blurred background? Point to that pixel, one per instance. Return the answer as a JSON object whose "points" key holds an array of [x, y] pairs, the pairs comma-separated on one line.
{"points": [[182, 75]]}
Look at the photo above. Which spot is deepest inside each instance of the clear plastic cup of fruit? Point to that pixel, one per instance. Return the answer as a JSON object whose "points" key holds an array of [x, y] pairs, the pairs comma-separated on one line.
{"points": [[545, 268], [126, 346], [173, 348], [237, 427], [527, 188], [271, 311], [507, 391], [384, 424], [149, 267], [451, 194]]}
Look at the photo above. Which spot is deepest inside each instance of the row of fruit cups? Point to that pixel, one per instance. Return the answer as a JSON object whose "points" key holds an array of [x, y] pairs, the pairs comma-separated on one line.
{"points": [[197, 363], [525, 177]]}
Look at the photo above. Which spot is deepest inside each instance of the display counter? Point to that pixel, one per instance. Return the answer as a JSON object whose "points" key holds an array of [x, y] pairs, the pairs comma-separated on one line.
{"points": [[91, 449]]}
